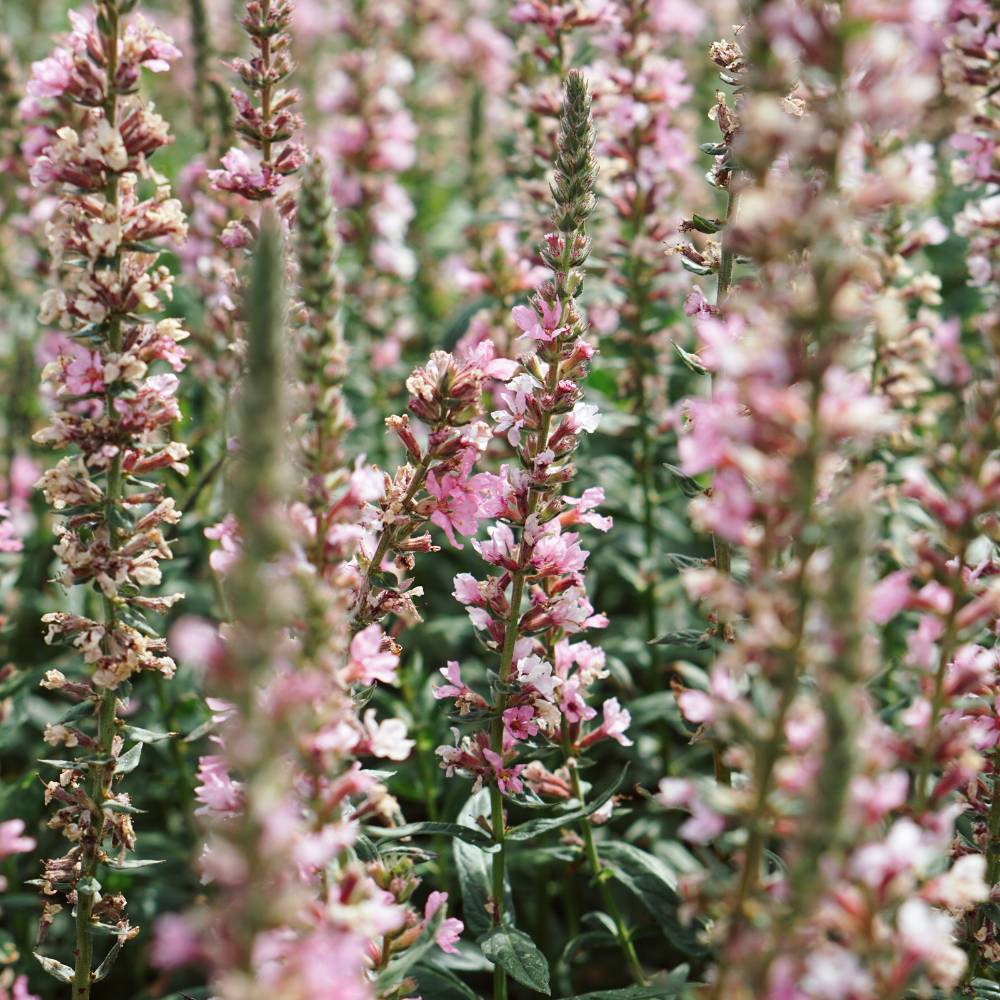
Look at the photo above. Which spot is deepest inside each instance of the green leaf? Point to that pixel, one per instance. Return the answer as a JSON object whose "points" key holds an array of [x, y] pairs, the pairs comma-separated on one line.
{"points": [[88, 886], [131, 864], [517, 955], [690, 360], [397, 968], [652, 881], [77, 711], [473, 867], [469, 834], [55, 969], [8, 946], [669, 987], [105, 967], [440, 984], [129, 760], [685, 638], [694, 268], [707, 226], [122, 807], [536, 827], [103, 930], [147, 735], [689, 487]]}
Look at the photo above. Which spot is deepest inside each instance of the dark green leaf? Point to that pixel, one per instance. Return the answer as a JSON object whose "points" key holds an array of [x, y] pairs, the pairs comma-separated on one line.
{"points": [[516, 953], [131, 864], [440, 984], [669, 987], [536, 827], [105, 967], [692, 361], [469, 834], [473, 867], [649, 878], [686, 638]]}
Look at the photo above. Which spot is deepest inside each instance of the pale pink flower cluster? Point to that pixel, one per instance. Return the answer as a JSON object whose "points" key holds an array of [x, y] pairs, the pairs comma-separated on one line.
{"points": [[864, 902], [112, 409]]}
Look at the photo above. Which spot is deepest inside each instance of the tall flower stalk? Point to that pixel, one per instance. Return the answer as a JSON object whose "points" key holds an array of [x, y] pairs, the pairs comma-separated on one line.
{"points": [[788, 433], [527, 612], [114, 416]]}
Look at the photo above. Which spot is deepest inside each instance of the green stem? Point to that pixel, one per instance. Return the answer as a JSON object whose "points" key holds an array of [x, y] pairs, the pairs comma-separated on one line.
{"points": [[388, 535], [506, 659], [598, 870], [945, 652], [102, 777], [720, 547]]}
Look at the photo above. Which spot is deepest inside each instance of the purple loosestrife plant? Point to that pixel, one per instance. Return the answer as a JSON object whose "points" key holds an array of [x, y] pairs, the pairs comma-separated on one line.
{"points": [[641, 95], [299, 913], [788, 433], [113, 414], [537, 601]]}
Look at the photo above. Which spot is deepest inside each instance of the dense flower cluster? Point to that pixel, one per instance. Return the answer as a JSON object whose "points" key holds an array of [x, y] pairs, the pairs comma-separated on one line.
{"points": [[435, 485], [113, 410], [266, 118]]}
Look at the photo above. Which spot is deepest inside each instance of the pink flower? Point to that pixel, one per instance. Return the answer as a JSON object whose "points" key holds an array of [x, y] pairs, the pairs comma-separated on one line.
{"points": [[195, 641], [458, 507], [18, 990], [369, 661], [451, 928], [175, 942], [507, 778], [219, 795], [696, 706], [12, 839], [9, 540], [386, 739], [929, 936], [889, 596], [51, 77], [520, 722], [704, 823], [85, 374], [544, 328], [616, 721], [227, 534], [453, 672], [484, 355], [581, 510], [466, 589]]}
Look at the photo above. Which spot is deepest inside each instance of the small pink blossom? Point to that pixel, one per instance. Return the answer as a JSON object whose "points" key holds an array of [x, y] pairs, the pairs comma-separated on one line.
{"points": [[507, 778], [12, 839], [889, 596], [543, 328], [371, 658], [520, 722], [451, 928], [220, 796]]}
